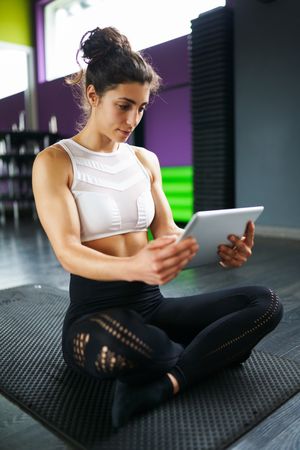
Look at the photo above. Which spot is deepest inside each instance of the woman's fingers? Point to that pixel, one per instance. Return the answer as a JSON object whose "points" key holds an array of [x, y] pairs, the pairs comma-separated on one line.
{"points": [[239, 252], [175, 257], [172, 249], [175, 262], [232, 258], [249, 234], [168, 258], [171, 272], [162, 242], [162, 259]]}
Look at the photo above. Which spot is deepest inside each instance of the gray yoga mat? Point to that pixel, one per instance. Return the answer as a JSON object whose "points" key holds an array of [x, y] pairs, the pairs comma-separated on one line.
{"points": [[211, 415]]}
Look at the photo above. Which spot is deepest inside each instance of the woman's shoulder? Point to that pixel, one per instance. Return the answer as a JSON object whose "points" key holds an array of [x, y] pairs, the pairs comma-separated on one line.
{"points": [[148, 159], [144, 152], [52, 152], [53, 155], [54, 161]]}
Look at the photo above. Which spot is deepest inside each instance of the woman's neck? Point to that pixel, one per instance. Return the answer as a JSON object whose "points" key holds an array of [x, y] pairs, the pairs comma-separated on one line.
{"points": [[95, 141]]}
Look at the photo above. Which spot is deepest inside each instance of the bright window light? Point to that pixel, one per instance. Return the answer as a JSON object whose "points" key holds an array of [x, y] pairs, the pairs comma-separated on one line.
{"points": [[144, 23], [13, 73]]}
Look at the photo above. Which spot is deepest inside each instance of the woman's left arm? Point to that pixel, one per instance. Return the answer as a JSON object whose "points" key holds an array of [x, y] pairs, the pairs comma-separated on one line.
{"points": [[241, 249], [163, 223]]}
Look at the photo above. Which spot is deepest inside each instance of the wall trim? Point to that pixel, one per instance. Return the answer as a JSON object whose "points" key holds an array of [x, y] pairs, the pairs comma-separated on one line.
{"points": [[277, 232], [30, 94]]}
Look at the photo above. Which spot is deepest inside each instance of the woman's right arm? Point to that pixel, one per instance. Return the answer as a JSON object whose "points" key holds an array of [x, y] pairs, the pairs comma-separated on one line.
{"points": [[157, 263], [58, 215]]}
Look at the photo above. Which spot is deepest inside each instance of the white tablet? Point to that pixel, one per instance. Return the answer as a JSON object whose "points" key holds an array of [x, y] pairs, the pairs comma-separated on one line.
{"points": [[212, 228]]}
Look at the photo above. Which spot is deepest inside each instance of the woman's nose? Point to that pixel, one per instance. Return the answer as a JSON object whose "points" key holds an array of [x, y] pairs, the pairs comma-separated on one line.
{"points": [[133, 119]]}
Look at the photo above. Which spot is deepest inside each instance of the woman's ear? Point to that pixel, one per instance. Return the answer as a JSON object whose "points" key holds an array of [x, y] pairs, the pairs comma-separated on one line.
{"points": [[92, 96]]}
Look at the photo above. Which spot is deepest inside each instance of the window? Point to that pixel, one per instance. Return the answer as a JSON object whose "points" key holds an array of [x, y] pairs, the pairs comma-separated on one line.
{"points": [[14, 71], [144, 23]]}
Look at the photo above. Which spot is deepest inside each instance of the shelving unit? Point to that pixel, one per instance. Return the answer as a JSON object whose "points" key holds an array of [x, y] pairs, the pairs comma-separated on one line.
{"points": [[17, 152]]}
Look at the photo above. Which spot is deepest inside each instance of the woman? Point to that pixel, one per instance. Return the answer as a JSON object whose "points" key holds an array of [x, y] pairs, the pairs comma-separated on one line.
{"points": [[96, 196]]}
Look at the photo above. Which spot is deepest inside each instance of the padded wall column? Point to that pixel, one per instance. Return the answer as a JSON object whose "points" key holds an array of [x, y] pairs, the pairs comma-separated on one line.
{"points": [[211, 64]]}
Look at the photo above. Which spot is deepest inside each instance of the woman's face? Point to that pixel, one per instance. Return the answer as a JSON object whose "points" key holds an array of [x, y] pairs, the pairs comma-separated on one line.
{"points": [[120, 110]]}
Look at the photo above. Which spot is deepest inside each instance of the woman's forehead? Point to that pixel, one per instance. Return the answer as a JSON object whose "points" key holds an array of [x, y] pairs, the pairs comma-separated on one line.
{"points": [[137, 92]]}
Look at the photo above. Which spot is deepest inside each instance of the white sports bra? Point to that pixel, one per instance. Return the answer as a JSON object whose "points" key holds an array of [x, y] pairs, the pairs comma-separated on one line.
{"points": [[112, 191]]}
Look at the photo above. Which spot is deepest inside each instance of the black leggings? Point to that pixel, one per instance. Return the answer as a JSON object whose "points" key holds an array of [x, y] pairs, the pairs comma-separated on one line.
{"points": [[189, 337]]}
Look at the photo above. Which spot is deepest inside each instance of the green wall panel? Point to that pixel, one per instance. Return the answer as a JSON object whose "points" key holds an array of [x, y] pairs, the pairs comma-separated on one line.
{"points": [[16, 22], [178, 187]]}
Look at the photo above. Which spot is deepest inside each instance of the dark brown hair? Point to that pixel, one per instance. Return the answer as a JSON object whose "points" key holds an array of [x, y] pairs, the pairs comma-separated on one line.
{"points": [[110, 61]]}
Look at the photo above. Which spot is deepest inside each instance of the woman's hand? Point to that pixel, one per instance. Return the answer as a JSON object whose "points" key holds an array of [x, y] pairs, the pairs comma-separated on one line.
{"points": [[162, 259], [241, 249]]}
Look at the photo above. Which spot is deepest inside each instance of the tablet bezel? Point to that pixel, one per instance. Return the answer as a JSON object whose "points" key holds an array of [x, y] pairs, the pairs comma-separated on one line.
{"points": [[212, 228]]}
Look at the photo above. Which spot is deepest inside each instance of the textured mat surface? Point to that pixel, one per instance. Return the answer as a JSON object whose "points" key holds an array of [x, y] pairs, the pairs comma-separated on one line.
{"points": [[209, 416]]}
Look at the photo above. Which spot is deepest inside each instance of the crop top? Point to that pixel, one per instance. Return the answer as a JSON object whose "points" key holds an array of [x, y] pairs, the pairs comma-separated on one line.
{"points": [[112, 191]]}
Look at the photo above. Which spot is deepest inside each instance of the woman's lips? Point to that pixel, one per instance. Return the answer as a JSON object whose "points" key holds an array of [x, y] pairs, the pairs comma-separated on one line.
{"points": [[125, 133]]}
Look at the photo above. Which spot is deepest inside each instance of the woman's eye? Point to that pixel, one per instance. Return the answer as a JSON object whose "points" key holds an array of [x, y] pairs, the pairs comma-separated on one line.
{"points": [[127, 108], [124, 107]]}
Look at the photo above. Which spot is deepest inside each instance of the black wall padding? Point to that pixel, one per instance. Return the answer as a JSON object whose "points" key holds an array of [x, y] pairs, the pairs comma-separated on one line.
{"points": [[211, 65]]}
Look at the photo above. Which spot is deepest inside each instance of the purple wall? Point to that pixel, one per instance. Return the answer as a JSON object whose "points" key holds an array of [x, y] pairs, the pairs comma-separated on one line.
{"points": [[168, 130], [10, 107], [56, 98], [170, 59]]}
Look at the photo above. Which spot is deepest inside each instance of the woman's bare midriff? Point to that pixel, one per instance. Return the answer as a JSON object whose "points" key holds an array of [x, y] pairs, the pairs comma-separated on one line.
{"points": [[123, 245]]}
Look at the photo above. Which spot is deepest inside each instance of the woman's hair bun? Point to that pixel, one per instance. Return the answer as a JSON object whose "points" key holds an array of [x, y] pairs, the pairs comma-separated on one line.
{"points": [[98, 43]]}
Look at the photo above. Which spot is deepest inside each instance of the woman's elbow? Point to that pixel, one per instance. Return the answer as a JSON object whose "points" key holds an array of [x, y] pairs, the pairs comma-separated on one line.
{"points": [[64, 257]]}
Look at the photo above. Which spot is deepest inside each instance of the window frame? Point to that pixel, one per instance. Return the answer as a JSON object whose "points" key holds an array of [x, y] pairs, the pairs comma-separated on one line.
{"points": [[27, 51], [40, 37]]}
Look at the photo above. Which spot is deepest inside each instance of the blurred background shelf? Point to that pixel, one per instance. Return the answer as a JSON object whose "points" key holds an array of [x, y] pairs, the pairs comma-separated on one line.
{"points": [[18, 150]]}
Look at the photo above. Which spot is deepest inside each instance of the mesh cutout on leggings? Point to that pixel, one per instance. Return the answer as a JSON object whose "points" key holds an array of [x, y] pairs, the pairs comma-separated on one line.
{"points": [[122, 333], [272, 308], [108, 361], [79, 344]]}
